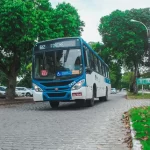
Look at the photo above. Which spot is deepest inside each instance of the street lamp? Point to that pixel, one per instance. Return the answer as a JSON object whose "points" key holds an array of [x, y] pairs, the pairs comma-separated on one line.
{"points": [[132, 20], [147, 31]]}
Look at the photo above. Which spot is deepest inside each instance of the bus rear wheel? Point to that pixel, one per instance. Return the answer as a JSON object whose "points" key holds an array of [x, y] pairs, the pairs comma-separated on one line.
{"points": [[54, 104], [106, 97]]}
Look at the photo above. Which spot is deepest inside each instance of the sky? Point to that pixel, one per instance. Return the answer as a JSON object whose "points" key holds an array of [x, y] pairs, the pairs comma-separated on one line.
{"points": [[91, 11]]}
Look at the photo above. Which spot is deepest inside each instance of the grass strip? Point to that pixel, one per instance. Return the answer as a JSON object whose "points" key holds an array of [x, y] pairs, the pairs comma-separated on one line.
{"points": [[140, 117], [138, 96]]}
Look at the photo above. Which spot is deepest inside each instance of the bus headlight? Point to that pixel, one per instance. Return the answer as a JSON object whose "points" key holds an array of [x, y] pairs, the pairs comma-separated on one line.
{"points": [[78, 85], [37, 88]]}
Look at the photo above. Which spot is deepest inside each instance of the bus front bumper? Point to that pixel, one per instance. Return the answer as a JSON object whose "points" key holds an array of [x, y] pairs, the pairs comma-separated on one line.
{"points": [[79, 94], [60, 96]]}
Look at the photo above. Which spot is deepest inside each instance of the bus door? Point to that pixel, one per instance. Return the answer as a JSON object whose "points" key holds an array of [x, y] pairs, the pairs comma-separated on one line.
{"points": [[88, 72]]}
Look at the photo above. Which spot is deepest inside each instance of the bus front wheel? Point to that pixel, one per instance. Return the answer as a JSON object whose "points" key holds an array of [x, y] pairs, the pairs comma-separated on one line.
{"points": [[54, 104], [80, 103], [90, 102]]}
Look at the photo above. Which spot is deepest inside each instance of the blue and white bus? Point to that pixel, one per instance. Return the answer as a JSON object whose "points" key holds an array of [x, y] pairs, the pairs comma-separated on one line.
{"points": [[66, 70]]}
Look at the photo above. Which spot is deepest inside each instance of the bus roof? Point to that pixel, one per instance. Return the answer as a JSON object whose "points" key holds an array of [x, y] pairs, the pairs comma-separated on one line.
{"points": [[59, 39]]}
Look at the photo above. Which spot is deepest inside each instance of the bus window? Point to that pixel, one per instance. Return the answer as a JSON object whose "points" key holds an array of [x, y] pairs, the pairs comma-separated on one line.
{"points": [[98, 64], [90, 59], [104, 70], [100, 67], [108, 73], [77, 64], [95, 63], [85, 56]]}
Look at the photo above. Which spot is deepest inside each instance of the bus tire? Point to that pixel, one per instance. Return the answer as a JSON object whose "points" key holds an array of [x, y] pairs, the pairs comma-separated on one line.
{"points": [[90, 102], [54, 104], [101, 99], [106, 97]]}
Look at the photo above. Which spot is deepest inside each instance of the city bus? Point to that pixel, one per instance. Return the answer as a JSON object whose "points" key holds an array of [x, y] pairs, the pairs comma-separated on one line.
{"points": [[67, 70]]}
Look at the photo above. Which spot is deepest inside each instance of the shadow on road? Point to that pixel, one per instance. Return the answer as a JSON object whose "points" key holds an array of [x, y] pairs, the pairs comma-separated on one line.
{"points": [[67, 106]]}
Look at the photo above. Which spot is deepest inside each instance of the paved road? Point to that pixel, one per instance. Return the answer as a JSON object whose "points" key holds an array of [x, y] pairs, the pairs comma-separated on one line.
{"points": [[38, 127]]}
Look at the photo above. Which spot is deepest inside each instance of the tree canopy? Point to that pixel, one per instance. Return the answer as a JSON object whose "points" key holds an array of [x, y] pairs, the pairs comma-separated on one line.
{"points": [[66, 21], [126, 40]]}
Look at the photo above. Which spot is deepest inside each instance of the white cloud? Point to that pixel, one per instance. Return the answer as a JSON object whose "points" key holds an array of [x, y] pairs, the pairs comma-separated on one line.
{"points": [[91, 12]]}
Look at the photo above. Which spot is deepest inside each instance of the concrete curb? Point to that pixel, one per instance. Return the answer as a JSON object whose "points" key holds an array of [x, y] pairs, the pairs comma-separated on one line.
{"points": [[136, 143], [16, 101]]}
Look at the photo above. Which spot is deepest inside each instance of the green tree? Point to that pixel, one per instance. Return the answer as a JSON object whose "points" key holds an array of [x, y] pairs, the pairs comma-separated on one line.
{"points": [[126, 40], [22, 22], [127, 79], [26, 80], [66, 21], [3, 78], [115, 75], [26, 77]]}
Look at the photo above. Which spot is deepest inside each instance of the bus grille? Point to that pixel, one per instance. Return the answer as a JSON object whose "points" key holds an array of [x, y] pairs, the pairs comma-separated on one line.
{"points": [[61, 88], [64, 83], [56, 94]]}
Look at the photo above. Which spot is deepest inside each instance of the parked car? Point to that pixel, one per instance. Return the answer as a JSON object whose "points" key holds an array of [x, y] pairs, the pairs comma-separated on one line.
{"points": [[113, 91], [31, 90], [2, 91], [23, 91], [123, 89]]}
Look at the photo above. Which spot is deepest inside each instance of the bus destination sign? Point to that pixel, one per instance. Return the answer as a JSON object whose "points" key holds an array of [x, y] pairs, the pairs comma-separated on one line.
{"points": [[59, 44]]}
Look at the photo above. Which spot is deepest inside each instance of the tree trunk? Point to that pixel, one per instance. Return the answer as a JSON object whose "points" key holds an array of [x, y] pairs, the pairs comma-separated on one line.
{"points": [[11, 85], [12, 75]]}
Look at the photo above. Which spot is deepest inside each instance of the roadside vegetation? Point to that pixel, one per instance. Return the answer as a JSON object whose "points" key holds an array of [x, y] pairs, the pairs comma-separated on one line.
{"points": [[140, 118], [138, 96]]}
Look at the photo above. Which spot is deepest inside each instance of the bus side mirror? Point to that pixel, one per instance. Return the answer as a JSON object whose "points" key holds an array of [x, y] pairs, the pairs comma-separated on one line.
{"points": [[88, 70]]}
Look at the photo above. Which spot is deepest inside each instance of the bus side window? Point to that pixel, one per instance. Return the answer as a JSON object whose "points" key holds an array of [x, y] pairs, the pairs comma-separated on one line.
{"points": [[104, 71], [108, 72], [85, 56], [95, 63], [92, 61], [102, 67], [99, 67]]}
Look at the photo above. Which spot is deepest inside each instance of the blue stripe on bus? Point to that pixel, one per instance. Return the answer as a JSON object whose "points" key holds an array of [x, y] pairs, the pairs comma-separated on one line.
{"points": [[107, 80]]}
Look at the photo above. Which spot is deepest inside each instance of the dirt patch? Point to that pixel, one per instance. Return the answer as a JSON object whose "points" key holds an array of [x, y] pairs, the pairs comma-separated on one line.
{"points": [[126, 121]]}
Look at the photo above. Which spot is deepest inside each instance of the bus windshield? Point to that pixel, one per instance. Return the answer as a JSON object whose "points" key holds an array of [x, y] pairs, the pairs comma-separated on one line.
{"points": [[64, 63]]}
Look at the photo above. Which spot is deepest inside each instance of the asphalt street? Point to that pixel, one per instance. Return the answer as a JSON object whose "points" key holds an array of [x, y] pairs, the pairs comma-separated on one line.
{"points": [[39, 127]]}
